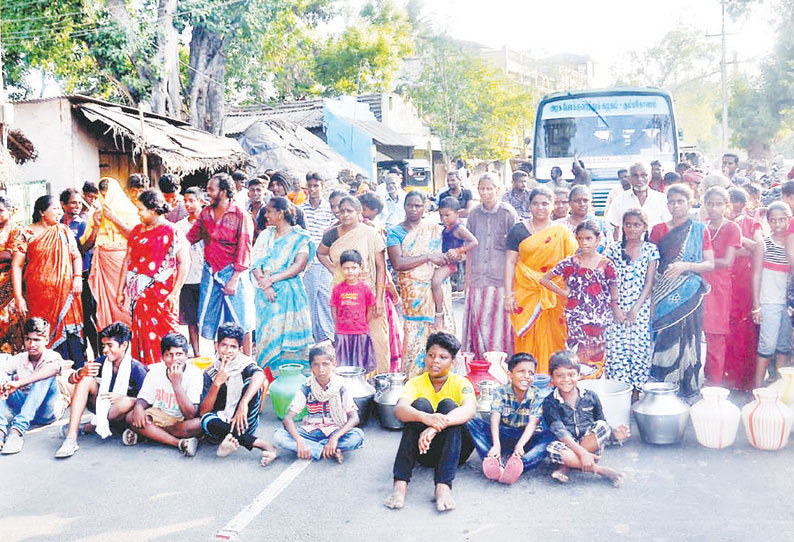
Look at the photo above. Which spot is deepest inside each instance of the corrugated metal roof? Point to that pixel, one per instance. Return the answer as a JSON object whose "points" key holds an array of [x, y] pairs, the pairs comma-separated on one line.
{"points": [[382, 133], [308, 114]]}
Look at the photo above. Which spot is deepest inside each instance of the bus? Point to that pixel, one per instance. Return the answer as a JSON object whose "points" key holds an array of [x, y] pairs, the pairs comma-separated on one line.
{"points": [[607, 129]]}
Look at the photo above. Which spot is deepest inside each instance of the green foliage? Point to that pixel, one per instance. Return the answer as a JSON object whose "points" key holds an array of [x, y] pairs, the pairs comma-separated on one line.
{"points": [[686, 63], [368, 53], [761, 109], [475, 110]]}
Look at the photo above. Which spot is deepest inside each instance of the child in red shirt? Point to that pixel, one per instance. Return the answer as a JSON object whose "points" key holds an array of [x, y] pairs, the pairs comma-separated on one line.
{"points": [[352, 302]]}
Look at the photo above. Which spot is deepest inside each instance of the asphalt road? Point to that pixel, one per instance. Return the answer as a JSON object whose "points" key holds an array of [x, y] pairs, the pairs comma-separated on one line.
{"points": [[147, 493]]}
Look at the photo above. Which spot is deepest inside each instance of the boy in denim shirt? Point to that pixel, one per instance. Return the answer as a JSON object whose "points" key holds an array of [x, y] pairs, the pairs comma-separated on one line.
{"points": [[576, 419]]}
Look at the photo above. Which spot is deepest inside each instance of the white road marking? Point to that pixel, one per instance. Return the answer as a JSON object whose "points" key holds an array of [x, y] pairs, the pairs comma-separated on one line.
{"points": [[262, 501]]}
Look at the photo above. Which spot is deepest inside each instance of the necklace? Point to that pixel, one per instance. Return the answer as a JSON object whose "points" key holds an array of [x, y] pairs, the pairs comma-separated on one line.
{"points": [[716, 233]]}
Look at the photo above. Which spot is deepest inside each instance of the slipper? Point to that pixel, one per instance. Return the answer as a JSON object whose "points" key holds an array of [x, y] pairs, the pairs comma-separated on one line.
{"points": [[513, 470], [492, 468], [560, 477]]}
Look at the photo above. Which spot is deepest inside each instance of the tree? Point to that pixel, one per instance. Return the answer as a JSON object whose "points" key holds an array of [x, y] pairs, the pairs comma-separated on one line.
{"points": [[475, 110], [762, 108], [366, 56], [686, 63]]}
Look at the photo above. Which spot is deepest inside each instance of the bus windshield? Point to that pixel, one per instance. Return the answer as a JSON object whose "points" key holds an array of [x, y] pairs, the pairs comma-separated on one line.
{"points": [[605, 128]]}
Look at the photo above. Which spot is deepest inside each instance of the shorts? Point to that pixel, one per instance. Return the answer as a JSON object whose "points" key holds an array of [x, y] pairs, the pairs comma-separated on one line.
{"points": [[160, 418], [600, 429], [189, 304], [774, 335]]}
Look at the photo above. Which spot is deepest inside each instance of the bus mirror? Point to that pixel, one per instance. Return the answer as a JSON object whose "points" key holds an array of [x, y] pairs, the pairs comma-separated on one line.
{"points": [[680, 133]]}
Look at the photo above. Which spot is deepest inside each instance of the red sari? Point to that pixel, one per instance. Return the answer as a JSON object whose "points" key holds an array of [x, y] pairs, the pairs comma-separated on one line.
{"points": [[48, 281], [740, 349], [151, 277]]}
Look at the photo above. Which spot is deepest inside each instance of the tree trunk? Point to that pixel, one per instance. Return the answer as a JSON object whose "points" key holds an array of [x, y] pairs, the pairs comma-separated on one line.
{"points": [[165, 98], [205, 80]]}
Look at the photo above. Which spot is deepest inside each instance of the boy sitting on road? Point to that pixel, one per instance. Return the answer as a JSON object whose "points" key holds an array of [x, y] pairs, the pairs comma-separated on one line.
{"points": [[576, 419], [434, 407], [34, 396], [514, 425], [108, 385], [170, 395], [329, 428], [232, 398]]}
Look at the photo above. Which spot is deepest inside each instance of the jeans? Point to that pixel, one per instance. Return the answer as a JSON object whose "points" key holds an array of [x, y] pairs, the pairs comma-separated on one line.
{"points": [[774, 334], [316, 440], [216, 429], [41, 404], [448, 449], [534, 450]]}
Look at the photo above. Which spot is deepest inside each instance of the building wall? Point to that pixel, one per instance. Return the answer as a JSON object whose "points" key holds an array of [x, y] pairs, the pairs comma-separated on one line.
{"points": [[67, 153]]}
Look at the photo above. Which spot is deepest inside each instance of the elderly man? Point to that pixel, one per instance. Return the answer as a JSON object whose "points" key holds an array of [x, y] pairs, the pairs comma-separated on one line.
{"points": [[394, 201], [640, 196], [227, 293]]}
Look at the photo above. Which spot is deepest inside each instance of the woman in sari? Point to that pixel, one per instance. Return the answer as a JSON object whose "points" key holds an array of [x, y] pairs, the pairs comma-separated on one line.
{"points": [[678, 291], [414, 248], [534, 247], [352, 234], [10, 321], [279, 256], [47, 271], [152, 275], [119, 216]]}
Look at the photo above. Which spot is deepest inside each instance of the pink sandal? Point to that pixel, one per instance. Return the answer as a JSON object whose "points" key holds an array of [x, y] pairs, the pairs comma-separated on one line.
{"points": [[492, 468], [512, 471]]}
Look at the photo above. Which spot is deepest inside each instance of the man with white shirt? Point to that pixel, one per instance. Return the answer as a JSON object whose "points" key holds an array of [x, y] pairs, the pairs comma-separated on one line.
{"points": [[393, 201], [169, 396], [33, 395], [640, 196], [317, 279]]}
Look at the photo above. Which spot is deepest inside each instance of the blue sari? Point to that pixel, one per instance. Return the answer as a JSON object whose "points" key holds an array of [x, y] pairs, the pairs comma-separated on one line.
{"points": [[677, 318], [283, 327]]}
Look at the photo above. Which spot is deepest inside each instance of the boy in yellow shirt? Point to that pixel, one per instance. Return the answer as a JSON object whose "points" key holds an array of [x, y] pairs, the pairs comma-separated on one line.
{"points": [[435, 407]]}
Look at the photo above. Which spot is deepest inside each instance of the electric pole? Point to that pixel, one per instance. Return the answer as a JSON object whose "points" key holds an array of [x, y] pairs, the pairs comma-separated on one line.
{"points": [[724, 72]]}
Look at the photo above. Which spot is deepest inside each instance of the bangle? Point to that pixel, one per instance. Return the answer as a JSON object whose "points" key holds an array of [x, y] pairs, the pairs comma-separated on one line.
{"points": [[756, 311]]}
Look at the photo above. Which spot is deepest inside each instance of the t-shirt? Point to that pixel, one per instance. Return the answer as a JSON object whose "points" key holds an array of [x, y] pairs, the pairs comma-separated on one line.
{"points": [[158, 392], [318, 413], [465, 196], [457, 388], [220, 399], [351, 302], [137, 376], [21, 366]]}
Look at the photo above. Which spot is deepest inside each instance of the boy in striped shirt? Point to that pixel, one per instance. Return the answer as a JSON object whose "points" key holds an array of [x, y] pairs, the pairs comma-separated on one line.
{"points": [[329, 427]]}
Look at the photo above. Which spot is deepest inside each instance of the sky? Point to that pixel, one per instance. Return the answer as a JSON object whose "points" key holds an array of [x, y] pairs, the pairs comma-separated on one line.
{"points": [[604, 29]]}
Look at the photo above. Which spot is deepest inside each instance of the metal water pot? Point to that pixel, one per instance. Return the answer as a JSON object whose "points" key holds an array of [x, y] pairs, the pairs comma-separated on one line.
{"points": [[361, 390], [488, 390], [661, 415], [388, 393]]}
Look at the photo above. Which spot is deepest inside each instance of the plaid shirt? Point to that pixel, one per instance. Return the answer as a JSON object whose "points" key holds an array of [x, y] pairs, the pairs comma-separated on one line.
{"points": [[227, 240], [521, 205], [517, 413]]}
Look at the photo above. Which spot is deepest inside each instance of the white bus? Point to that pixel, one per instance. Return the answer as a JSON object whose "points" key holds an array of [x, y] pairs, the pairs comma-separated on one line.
{"points": [[608, 130]]}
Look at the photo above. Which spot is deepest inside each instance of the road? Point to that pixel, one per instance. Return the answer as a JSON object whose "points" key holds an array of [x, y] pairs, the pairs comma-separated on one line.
{"points": [[147, 493]]}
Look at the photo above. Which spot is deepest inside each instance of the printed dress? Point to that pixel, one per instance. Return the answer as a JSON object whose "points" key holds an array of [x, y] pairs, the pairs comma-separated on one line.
{"points": [[629, 346], [588, 310]]}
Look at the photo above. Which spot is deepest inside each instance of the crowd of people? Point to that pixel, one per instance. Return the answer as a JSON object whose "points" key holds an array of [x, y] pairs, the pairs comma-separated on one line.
{"points": [[276, 271]]}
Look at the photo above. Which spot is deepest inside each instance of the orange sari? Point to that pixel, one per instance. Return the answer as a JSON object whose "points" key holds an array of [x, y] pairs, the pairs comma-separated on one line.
{"points": [[47, 280], [539, 325]]}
